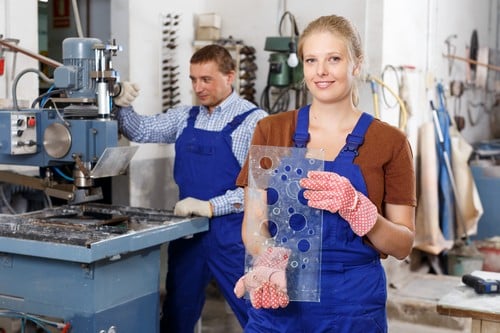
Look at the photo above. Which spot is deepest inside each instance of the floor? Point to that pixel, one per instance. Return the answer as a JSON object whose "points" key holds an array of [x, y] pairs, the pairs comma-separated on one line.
{"points": [[217, 317], [411, 304]]}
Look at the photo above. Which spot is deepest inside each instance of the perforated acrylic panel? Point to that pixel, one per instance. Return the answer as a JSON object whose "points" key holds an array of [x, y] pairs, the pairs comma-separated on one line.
{"points": [[292, 224]]}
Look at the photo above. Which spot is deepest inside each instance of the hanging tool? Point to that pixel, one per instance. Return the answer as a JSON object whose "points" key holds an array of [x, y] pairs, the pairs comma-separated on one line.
{"points": [[285, 70], [451, 51], [445, 153], [473, 48]]}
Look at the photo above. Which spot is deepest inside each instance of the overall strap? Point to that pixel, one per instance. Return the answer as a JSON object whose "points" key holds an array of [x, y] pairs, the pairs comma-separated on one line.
{"points": [[301, 136], [193, 113], [357, 137], [233, 124]]}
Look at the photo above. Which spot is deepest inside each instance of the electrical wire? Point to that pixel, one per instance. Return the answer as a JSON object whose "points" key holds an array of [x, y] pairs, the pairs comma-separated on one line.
{"points": [[38, 321], [42, 99], [63, 175], [18, 77], [59, 115], [48, 93], [5, 201], [279, 104], [294, 28]]}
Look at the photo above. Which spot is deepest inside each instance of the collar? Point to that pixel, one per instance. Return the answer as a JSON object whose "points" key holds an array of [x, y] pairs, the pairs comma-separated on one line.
{"points": [[228, 101]]}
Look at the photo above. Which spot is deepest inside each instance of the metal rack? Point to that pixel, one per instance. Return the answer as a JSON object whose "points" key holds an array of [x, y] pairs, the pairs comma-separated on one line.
{"points": [[170, 94]]}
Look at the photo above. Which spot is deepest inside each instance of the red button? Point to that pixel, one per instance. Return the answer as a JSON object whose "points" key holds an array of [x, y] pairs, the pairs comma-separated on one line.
{"points": [[31, 122]]}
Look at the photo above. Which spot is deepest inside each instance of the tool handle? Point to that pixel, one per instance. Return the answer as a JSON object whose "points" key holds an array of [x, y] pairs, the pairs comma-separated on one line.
{"points": [[480, 285], [473, 281]]}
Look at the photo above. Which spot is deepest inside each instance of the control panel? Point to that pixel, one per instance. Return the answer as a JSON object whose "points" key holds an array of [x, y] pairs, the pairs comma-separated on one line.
{"points": [[23, 133]]}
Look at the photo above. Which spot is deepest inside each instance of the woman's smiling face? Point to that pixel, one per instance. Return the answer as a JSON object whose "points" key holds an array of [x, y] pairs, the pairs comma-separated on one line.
{"points": [[328, 67]]}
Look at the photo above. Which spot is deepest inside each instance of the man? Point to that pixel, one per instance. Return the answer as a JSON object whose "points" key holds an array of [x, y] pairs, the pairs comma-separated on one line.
{"points": [[211, 144]]}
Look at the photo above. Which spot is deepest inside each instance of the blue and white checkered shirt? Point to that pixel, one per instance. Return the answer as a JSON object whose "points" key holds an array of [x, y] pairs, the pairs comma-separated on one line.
{"points": [[167, 127]]}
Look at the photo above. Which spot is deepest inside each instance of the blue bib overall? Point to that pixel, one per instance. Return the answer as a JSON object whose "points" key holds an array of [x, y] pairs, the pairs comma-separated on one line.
{"points": [[353, 284], [205, 167]]}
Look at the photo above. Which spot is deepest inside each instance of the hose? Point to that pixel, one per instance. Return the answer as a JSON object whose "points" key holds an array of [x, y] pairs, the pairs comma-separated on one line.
{"points": [[403, 112], [376, 110], [383, 78], [18, 77]]}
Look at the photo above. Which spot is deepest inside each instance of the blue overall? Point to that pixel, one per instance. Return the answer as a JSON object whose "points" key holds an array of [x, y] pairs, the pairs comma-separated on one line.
{"points": [[205, 167], [353, 285]]}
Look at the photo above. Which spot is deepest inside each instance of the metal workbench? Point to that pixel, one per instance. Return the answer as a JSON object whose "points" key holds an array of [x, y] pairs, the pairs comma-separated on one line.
{"points": [[94, 267]]}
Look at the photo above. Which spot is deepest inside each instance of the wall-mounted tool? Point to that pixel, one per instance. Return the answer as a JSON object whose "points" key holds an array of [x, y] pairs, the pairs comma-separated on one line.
{"points": [[285, 70], [451, 49], [478, 60]]}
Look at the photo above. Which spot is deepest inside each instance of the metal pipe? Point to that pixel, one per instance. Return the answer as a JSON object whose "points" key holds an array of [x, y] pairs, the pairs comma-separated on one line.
{"points": [[39, 57]]}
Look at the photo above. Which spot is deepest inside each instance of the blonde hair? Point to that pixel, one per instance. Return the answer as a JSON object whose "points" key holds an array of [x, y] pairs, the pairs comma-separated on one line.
{"points": [[343, 28]]}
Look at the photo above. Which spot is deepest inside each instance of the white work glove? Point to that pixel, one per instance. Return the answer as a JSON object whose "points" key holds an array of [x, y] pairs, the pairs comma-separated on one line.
{"points": [[128, 93], [192, 206]]}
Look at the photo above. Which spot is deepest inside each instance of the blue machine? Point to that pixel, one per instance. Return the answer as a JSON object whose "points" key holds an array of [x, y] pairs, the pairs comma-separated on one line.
{"points": [[42, 138], [88, 267], [94, 268], [73, 126]]}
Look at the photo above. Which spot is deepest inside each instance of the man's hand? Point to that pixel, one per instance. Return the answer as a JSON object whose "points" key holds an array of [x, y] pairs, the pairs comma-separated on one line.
{"points": [[191, 206], [266, 282], [128, 93], [332, 192]]}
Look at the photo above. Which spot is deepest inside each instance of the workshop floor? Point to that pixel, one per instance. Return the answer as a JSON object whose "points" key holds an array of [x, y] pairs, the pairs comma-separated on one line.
{"points": [[217, 317], [411, 305]]}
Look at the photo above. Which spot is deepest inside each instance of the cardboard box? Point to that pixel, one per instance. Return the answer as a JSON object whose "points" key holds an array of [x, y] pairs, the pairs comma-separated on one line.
{"points": [[211, 20], [208, 27], [207, 33]]}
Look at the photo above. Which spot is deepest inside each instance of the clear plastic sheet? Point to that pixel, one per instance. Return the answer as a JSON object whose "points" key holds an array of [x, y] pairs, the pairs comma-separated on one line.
{"points": [[277, 171]]}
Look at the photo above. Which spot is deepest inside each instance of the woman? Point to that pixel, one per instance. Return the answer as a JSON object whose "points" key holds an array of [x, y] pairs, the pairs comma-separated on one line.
{"points": [[367, 194]]}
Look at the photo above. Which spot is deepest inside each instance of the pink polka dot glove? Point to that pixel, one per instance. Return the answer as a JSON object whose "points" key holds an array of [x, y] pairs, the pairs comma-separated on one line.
{"points": [[332, 192], [266, 282]]}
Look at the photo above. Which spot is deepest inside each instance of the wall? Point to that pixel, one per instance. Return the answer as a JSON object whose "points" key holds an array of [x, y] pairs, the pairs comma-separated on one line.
{"points": [[138, 28], [14, 16], [427, 24], [394, 32]]}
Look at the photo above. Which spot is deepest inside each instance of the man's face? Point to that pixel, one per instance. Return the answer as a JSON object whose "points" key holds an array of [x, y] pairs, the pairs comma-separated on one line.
{"points": [[209, 84]]}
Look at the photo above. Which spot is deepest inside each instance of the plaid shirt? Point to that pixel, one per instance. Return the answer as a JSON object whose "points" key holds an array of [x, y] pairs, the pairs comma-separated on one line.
{"points": [[167, 127]]}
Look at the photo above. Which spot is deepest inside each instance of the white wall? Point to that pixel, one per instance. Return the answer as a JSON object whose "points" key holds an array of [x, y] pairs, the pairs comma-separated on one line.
{"points": [[14, 18], [394, 32], [415, 33]]}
